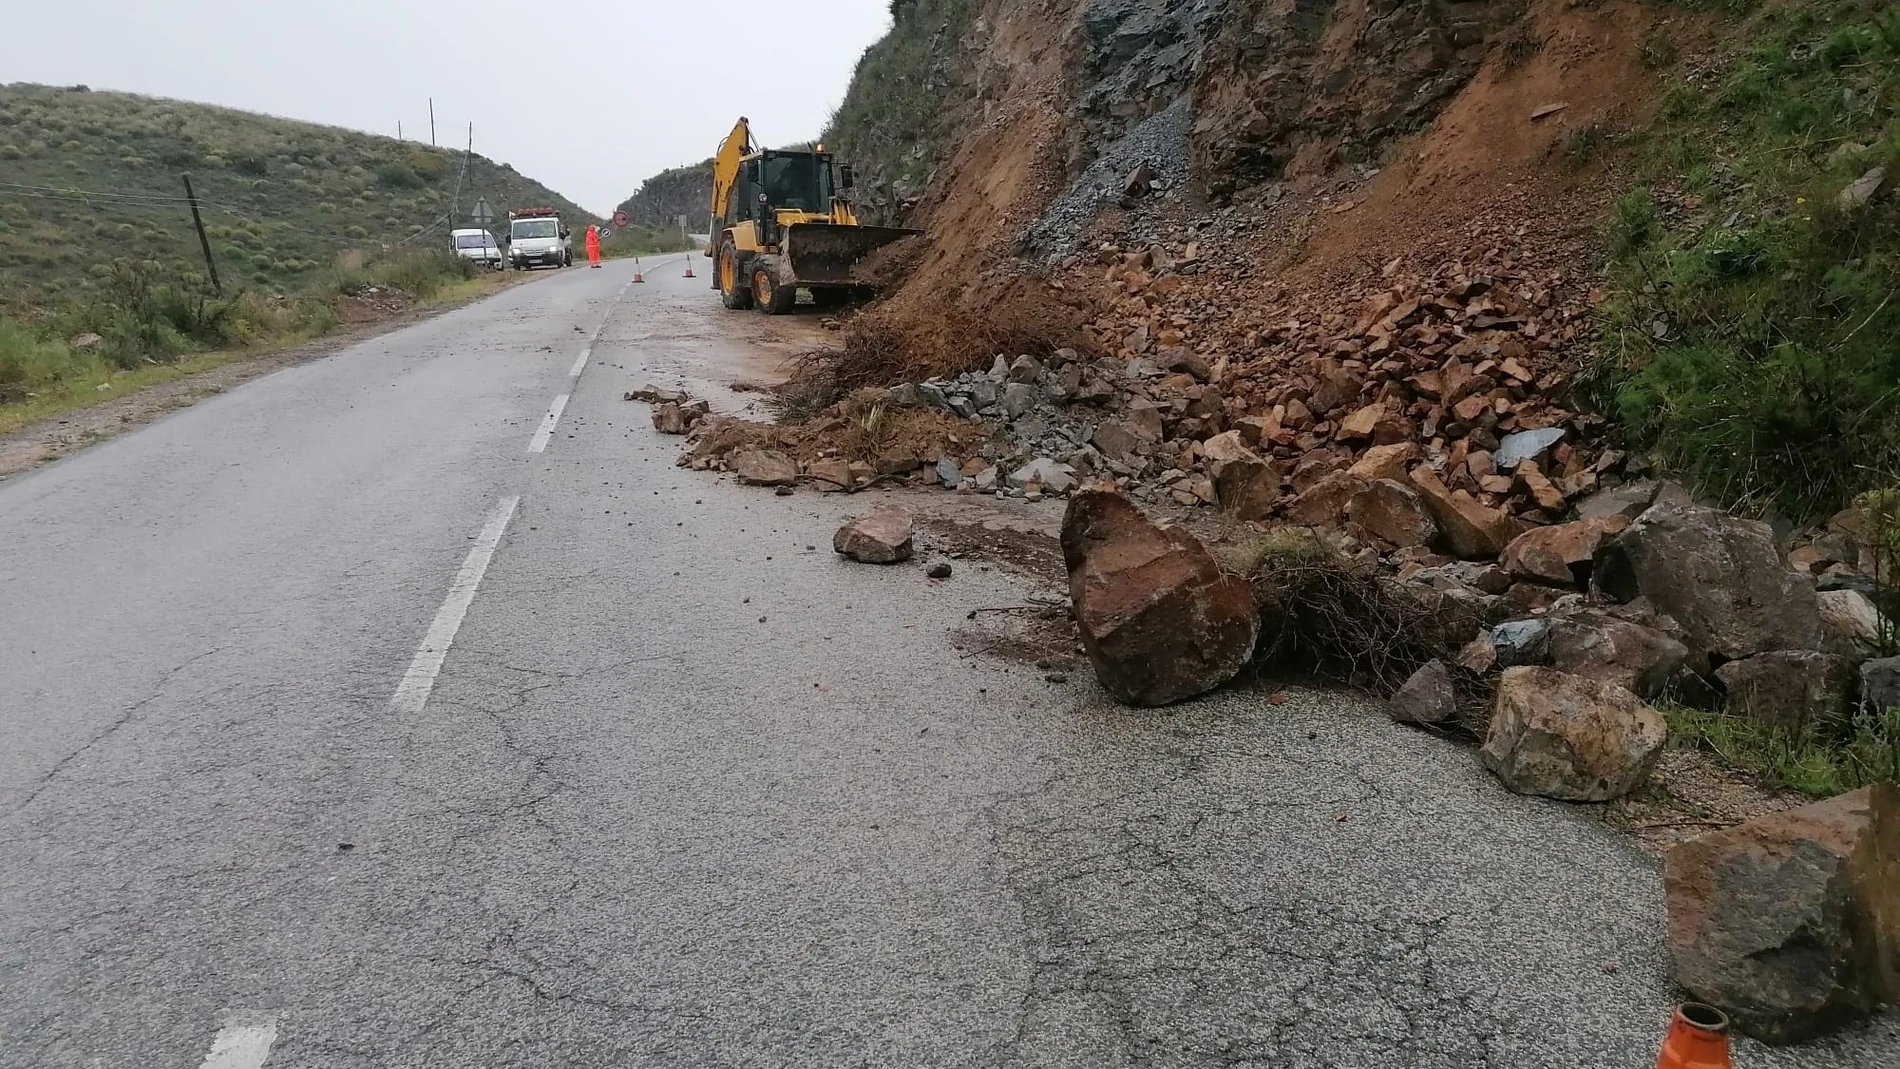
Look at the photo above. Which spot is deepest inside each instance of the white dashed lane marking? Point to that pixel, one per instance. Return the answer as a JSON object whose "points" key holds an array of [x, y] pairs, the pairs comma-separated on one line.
{"points": [[413, 693], [548, 422]]}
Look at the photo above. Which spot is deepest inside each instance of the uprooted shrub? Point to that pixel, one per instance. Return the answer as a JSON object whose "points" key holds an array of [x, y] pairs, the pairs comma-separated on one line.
{"points": [[1342, 619]]}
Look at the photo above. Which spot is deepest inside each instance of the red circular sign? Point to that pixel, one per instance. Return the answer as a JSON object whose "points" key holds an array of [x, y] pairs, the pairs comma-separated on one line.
{"points": [[621, 220]]}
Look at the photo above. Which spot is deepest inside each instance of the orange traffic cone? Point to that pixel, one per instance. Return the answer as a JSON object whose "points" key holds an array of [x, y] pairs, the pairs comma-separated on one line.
{"points": [[1697, 1039], [637, 276], [689, 267]]}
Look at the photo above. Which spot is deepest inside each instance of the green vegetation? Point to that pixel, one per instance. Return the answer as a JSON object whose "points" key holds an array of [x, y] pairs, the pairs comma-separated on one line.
{"points": [[96, 237], [144, 321], [91, 183], [1750, 335], [1815, 763], [892, 125]]}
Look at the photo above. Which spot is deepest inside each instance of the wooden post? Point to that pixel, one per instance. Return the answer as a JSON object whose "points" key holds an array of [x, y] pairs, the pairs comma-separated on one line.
{"points": [[203, 241], [431, 122]]}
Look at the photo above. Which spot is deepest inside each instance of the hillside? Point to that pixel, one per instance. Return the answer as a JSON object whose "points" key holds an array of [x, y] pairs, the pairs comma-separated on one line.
{"points": [[662, 199], [1691, 205], [88, 178]]}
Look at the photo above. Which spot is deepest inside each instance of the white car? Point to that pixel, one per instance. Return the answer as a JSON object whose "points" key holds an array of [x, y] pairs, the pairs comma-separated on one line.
{"points": [[479, 246], [537, 240]]}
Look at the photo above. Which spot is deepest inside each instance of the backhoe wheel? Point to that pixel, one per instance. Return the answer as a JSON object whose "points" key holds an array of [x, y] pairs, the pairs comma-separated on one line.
{"points": [[733, 293], [770, 299]]}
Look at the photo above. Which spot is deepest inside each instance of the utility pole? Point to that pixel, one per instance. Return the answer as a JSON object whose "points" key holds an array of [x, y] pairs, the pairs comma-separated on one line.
{"points": [[203, 241], [399, 129], [431, 122]]}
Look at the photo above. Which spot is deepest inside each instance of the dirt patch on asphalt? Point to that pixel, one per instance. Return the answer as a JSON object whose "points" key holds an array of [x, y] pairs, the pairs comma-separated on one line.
{"points": [[1691, 793]]}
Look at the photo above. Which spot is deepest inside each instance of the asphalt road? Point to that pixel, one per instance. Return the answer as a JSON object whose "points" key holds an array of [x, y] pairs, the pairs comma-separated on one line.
{"points": [[686, 790]]}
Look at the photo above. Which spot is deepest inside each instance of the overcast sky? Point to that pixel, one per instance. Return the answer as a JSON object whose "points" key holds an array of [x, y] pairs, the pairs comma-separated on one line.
{"points": [[657, 84]]}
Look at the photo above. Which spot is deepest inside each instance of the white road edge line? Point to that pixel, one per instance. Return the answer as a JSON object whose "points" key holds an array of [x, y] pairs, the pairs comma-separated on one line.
{"points": [[413, 693], [243, 1043], [548, 421], [580, 363]]}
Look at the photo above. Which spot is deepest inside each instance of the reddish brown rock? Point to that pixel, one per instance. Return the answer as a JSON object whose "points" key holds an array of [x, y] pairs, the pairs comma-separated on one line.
{"points": [[883, 536], [1361, 423], [1469, 528], [1385, 462], [1790, 923], [764, 467], [1428, 697], [1160, 621], [671, 419], [1394, 512], [1325, 502], [1561, 553]]}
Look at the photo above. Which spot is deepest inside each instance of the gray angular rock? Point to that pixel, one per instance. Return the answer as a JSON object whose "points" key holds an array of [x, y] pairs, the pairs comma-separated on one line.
{"points": [[1428, 697], [1053, 476], [1790, 690], [1562, 736], [1521, 642], [1790, 923], [1515, 449], [949, 474], [1024, 368], [1850, 624], [1718, 576], [1639, 659], [1018, 399], [1880, 683]]}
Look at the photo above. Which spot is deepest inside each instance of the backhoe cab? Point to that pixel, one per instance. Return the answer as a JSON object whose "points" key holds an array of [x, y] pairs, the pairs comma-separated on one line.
{"points": [[782, 222]]}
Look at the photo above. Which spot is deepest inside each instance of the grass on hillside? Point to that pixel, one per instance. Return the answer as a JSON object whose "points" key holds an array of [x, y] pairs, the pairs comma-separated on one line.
{"points": [[890, 126], [151, 329], [89, 182], [1812, 763], [1750, 338]]}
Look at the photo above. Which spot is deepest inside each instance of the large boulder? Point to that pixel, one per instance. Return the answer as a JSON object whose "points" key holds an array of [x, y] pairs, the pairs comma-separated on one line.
{"points": [[1468, 527], [1880, 684], [1790, 690], [1394, 512], [1245, 483], [764, 467], [1641, 660], [1159, 619], [1851, 625], [1560, 554], [883, 536], [1324, 503], [1790, 923], [1563, 736], [1719, 576]]}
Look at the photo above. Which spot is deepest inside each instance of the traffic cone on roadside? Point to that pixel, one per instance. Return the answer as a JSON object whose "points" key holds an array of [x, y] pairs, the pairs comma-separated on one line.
{"points": [[637, 276], [1697, 1039], [689, 266]]}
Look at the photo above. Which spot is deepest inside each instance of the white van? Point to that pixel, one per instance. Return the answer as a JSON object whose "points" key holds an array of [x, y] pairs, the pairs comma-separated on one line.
{"points": [[477, 245]]}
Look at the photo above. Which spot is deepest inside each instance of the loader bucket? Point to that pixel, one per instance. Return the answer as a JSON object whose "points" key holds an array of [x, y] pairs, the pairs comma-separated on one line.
{"points": [[827, 252]]}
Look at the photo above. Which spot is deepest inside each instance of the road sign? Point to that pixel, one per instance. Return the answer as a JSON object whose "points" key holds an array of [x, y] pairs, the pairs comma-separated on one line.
{"points": [[621, 220], [606, 232], [682, 223], [482, 213]]}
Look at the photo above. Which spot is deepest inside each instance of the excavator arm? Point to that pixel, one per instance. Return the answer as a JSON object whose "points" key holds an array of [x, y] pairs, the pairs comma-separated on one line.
{"points": [[735, 148]]}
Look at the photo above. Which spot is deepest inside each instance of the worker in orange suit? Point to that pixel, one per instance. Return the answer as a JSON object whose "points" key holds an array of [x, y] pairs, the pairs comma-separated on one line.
{"points": [[593, 246]]}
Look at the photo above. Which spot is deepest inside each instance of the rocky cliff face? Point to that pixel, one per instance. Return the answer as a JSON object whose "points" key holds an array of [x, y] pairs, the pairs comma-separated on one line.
{"points": [[662, 199]]}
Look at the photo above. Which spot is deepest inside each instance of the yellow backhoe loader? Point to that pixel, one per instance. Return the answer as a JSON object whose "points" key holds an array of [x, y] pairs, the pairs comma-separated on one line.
{"points": [[781, 222]]}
